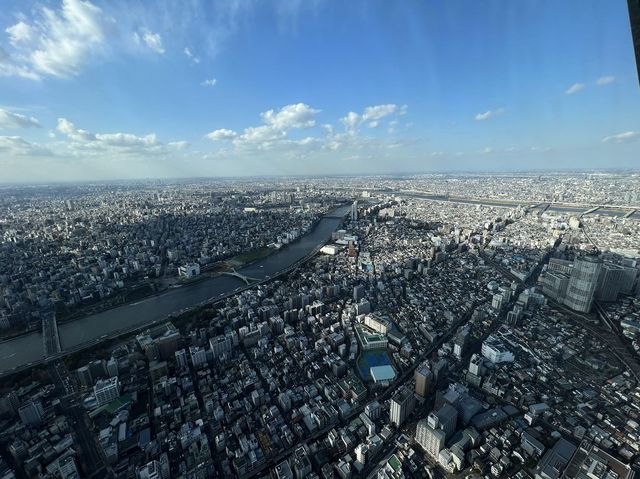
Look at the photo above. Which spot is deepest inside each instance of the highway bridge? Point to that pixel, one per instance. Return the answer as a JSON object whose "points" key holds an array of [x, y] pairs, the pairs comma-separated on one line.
{"points": [[247, 279], [50, 336]]}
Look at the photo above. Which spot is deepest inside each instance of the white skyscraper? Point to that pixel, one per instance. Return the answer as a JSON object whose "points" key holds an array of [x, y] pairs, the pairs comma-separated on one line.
{"points": [[106, 390], [402, 404], [430, 439]]}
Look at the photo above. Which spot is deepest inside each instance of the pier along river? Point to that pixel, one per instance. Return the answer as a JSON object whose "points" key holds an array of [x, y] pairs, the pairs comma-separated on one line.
{"points": [[27, 349]]}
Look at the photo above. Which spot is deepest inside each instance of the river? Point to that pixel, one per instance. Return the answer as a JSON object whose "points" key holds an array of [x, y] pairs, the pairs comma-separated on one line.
{"points": [[28, 348]]}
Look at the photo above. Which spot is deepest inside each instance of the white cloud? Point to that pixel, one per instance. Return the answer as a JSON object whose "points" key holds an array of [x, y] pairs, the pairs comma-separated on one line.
{"points": [[56, 42], [15, 120], [489, 114], [152, 40], [372, 116], [189, 53], [67, 128], [17, 146], [211, 82], [379, 111], [222, 134], [605, 80], [107, 141], [276, 137], [575, 88], [20, 33], [622, 137], [297, 115], [351, 122], [179, 145]]}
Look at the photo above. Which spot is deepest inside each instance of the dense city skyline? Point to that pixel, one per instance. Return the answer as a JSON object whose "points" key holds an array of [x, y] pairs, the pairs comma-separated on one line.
{"points": [[115, 90], [378, 327]]}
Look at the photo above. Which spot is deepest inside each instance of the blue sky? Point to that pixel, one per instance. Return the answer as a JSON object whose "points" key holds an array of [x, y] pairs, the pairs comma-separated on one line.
{"points": [[124, 89]]}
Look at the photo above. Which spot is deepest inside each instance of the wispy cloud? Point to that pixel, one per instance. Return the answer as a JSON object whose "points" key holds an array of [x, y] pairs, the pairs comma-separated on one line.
{"points": [[622, 137], [10, 120], [54, 42], [489, 114], [191, 55], [605, 80], [152, 40], [209, 82], [575, 88], [372, 115]]}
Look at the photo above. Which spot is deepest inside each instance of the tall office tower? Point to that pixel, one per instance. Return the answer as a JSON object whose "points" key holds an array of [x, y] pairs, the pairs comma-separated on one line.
{"points": [[424, 377], [610, 282], [181, 358], [9, 403], [554, 284], [31, 413], [402, 404], [445, 418], [630, 274], [106, 390], [354, 211], [358, 293], [497, 301], [583, 283], [476, 365], [431, 439], [84, 376], [513, 316], [460, 343]]}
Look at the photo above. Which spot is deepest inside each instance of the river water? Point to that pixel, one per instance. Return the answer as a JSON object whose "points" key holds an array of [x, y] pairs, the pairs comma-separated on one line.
{"points": [[26, 349]]}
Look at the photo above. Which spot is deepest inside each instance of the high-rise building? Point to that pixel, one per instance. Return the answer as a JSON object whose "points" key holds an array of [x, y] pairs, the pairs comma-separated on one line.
{"points": [[181, 358], [112, 367], [610, 282], [31, 413], [460, 342], [583, 283], [402, 404], [84, 376], [106, 390], [153, 470], [424, 378], [67, 468], [630, 274], [300, 463], [9, 403], [362, 451], [513, 316], [554, 284], [430, 439], [497, 301], [476, 365], [354, 211], [495, 351], [198, 356], [445, 419], [223, 344], [358, 293]]}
